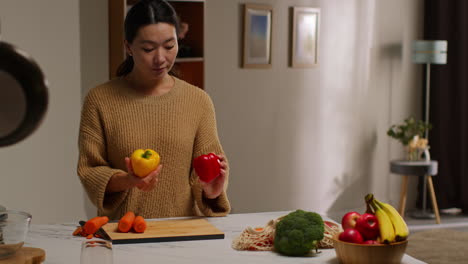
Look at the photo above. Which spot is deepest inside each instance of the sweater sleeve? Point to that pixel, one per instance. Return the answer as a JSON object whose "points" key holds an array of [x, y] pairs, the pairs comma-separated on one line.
{"points": [[93, 168], [207, 141]]}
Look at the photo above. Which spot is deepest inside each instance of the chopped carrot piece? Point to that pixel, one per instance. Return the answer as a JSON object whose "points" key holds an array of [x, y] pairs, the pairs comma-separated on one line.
{"points": [[126, 222], [77, 231], [93, 224], [139, 225]]}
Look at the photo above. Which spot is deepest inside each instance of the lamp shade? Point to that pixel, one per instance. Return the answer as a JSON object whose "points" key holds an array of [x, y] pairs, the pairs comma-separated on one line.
{"points": [[430, 51]]}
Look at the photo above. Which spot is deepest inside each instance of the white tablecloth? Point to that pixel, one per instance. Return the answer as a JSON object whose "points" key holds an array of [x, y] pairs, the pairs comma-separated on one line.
{"points": [[61, 247]]}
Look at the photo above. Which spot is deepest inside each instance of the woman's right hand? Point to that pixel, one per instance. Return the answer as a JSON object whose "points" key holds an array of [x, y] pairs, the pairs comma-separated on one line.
{"points": [[123, 181], [146, 183]]}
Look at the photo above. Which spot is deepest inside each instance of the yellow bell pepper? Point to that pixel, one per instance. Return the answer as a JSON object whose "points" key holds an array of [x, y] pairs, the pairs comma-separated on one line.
{"points": [[144, 161]]}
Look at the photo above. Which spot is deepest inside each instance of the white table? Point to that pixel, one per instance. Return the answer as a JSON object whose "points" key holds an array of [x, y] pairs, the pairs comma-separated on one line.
{"points": [[61, 247]]}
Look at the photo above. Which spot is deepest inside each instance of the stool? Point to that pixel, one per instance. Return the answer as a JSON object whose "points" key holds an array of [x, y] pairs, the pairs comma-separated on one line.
{"points": [[416, 168]]}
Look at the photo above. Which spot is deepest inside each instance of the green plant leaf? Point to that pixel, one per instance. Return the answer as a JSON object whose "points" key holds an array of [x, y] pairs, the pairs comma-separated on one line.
{"points": [[406, 131]]}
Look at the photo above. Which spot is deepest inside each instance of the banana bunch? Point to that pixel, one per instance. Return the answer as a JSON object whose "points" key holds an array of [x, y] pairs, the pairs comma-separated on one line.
{"points": [[391, 225]]}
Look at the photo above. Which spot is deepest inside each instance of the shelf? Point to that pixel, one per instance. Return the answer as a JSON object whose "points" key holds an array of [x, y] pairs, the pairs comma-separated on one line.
{"points": [[189, 59], [199, 1], [190, 71], [132, 2], [191, 68]]}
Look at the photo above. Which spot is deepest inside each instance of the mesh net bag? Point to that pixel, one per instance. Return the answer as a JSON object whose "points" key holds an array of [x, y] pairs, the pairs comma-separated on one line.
{"points": [[261, 238], [331, 230]]}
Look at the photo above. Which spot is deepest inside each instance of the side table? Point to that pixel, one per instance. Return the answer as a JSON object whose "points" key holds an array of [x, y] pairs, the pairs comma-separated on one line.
{"points": [[416, 168]]}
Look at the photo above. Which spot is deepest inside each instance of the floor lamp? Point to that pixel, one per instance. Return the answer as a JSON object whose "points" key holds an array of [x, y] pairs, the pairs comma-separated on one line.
{"points": [[428, 52]]}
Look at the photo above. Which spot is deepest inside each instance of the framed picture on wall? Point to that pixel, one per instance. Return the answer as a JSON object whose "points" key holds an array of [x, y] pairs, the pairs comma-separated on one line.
{"points": [[305, 37], [257, 36]]}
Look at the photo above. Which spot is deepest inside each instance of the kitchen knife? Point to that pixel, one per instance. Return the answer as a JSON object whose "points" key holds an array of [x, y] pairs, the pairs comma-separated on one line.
{"points": [[100, 231]]}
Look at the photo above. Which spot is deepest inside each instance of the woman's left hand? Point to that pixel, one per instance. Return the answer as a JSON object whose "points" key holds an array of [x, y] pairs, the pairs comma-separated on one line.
{"points": [[215, 188]]}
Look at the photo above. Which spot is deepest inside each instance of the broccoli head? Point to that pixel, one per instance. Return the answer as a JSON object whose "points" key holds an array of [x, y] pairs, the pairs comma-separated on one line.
{"points": [[298, 233]]}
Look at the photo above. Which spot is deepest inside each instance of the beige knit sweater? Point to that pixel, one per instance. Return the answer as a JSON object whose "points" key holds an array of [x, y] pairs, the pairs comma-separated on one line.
{"points": [[180, 125]]}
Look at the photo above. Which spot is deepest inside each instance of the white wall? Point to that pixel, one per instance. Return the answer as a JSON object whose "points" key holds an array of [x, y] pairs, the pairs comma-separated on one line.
{"points": [[314, 138], [38, 175], [296, 138]]}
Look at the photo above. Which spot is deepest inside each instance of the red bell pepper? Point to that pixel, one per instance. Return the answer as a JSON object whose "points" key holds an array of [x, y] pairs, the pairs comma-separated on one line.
{"points": [[207, 167]]}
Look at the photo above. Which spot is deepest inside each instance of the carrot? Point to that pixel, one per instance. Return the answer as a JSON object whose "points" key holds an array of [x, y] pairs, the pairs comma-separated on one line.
{"points": [[77, 231], [93, 224], [139, 225], [126, 222], [89, 236]]}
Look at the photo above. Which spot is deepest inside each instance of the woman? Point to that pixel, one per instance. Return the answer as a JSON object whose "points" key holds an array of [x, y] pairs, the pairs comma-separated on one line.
{"points": [[147, 107]]}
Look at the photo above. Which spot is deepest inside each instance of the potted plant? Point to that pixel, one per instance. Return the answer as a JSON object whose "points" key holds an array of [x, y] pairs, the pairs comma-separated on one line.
{"points": [[412, 135]]}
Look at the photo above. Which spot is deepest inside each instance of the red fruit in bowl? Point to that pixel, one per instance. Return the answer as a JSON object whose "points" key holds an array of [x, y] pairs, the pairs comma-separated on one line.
{"points": [[368, 226], [371, 242], [351, 235], [349, 220]]}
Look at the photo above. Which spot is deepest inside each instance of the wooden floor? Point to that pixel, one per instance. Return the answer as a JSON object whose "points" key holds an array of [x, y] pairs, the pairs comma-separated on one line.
{"points": [[450, 221], [439, 246]]}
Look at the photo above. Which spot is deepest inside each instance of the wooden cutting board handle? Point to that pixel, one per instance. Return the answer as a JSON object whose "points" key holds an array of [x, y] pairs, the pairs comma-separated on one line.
{"points": [[26, 255]]}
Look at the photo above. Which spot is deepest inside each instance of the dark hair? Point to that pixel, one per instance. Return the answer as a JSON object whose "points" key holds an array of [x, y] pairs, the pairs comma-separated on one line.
{"points": [[143, 13]]}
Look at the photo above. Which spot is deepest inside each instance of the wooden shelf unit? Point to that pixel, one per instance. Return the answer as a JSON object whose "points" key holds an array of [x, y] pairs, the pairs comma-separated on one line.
{"points": [[190, 69]]}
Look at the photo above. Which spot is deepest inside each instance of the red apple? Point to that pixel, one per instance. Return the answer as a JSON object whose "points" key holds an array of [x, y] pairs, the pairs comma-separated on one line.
{"points": [[371, 242], [368, 226], [351, 235], [349, 220]]}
